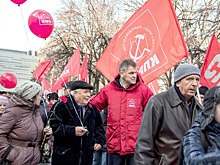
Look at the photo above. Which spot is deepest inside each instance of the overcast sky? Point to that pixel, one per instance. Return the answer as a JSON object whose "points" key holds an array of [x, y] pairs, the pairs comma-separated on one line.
{"points": [[12, 32]]}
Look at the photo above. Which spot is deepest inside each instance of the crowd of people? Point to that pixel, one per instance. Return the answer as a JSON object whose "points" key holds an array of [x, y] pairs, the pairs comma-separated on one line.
{"points": [[123, 124]]}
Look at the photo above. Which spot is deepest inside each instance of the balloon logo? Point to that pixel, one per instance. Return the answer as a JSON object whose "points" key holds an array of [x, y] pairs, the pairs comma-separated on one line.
{"points": [[8, 80], [41, 23], [18, 1]]}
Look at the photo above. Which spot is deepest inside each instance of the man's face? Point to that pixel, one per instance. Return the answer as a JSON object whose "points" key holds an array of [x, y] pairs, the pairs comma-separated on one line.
{"points": [[188, 86], [82, 97], [129, 76]]}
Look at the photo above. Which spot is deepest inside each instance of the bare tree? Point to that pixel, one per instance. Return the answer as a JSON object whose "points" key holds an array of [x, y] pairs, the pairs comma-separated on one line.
{"points": [[89, 24]]}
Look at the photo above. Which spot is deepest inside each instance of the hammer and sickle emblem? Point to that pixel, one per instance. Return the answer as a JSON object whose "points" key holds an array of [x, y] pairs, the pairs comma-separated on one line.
{"points": [[136, 57]]}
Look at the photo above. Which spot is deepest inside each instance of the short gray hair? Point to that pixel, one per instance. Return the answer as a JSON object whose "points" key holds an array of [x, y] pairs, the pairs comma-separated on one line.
{"points": [[123, 66], [77, 91]]}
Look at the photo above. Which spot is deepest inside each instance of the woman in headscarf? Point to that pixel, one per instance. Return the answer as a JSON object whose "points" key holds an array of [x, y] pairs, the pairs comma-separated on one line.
{"points": [[21, 126], [205, 129]]}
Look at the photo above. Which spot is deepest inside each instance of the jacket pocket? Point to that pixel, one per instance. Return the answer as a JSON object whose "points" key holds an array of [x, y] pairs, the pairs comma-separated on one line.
{"points": [[131, 136], [59, 150], [20, 156], [113, 137]]}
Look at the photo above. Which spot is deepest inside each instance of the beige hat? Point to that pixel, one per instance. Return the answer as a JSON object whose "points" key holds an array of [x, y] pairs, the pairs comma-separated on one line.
{"points": [[28, 89]]}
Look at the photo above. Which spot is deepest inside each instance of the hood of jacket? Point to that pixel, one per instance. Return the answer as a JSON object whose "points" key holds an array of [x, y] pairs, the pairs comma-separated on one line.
{"points": [[17, 101], [211, 99]]}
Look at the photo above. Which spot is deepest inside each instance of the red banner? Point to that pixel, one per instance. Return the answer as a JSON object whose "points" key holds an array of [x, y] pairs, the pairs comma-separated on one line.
{"points": [[151, 37], [46, 86], [70, 70], [83, 69], [42, 70], [210, 72], [154, 86]]}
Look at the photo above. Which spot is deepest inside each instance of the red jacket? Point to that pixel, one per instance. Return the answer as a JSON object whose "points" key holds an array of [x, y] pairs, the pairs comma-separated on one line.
{"points": [[125, 110]]}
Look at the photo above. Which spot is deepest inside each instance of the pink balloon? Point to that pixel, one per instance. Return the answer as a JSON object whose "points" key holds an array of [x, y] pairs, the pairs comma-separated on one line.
{"points": [[8, 80], [41, 23], [18, 1]]}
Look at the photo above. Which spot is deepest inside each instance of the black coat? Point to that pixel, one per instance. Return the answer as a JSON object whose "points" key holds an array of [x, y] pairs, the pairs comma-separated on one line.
{"points": [[68, 148]]}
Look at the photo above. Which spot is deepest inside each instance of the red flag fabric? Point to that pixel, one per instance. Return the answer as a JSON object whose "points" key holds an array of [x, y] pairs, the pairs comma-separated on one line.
{"points": [[151, 37], [154, 86], [42, 70], [83, 69], [210, 72], [46, 86], [71, 69]]}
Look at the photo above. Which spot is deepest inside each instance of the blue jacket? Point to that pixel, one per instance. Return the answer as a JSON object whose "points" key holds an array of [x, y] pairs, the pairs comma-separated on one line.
{"points": [[194, 153]]}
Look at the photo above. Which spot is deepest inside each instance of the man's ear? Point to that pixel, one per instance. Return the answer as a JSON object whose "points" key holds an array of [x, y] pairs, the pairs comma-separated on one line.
{"points": [[177, 83], [121, 73]]}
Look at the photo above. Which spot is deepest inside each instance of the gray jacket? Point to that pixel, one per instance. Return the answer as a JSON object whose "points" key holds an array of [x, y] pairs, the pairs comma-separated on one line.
{"points": [[163, 126]]}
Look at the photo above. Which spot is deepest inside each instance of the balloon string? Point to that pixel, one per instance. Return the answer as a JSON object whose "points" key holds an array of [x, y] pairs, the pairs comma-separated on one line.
{"points": [[25, 29]]}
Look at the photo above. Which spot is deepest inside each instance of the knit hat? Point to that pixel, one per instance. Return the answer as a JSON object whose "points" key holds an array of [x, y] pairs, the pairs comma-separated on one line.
{"points": [[3, 99], [184, 70], [28, 89]]}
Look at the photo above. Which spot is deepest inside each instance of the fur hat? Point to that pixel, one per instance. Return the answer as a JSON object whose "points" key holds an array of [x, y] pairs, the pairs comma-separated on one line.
{"points": [[3, 99], [184, 70], [28, 89]]}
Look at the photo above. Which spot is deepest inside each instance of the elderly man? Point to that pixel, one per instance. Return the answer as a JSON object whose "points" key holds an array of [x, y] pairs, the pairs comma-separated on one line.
{"points": [[126, 98], [167, 117], [77, 128]]}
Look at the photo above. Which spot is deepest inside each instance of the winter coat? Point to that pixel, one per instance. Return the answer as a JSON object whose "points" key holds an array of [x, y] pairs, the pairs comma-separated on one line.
{"points": [[125, 110], [68, 148], [163, 126], [44, 111], [21, 126], [193, 149]]}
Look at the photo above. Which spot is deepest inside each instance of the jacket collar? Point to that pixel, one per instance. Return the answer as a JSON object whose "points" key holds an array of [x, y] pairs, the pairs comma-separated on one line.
{"points": [[19, 101], [174, 97], [69, 103]]}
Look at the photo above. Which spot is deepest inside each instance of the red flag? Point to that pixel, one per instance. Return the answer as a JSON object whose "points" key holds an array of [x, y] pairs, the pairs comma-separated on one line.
{"points": [[42, 70], [70, 70], [210, 72], [83, 69], [154, 86], [46, 86], [151, 37]]}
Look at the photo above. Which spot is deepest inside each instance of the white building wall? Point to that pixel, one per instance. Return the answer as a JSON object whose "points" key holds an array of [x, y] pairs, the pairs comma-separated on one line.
{"points": [[18, 63]]}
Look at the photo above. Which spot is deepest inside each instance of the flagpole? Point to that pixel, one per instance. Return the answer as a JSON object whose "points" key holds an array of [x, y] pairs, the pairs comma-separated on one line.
{"points": [[70, 97]]}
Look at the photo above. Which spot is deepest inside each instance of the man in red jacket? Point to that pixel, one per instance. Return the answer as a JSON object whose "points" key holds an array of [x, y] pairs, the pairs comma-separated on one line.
{"points": [[126, 98]]}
